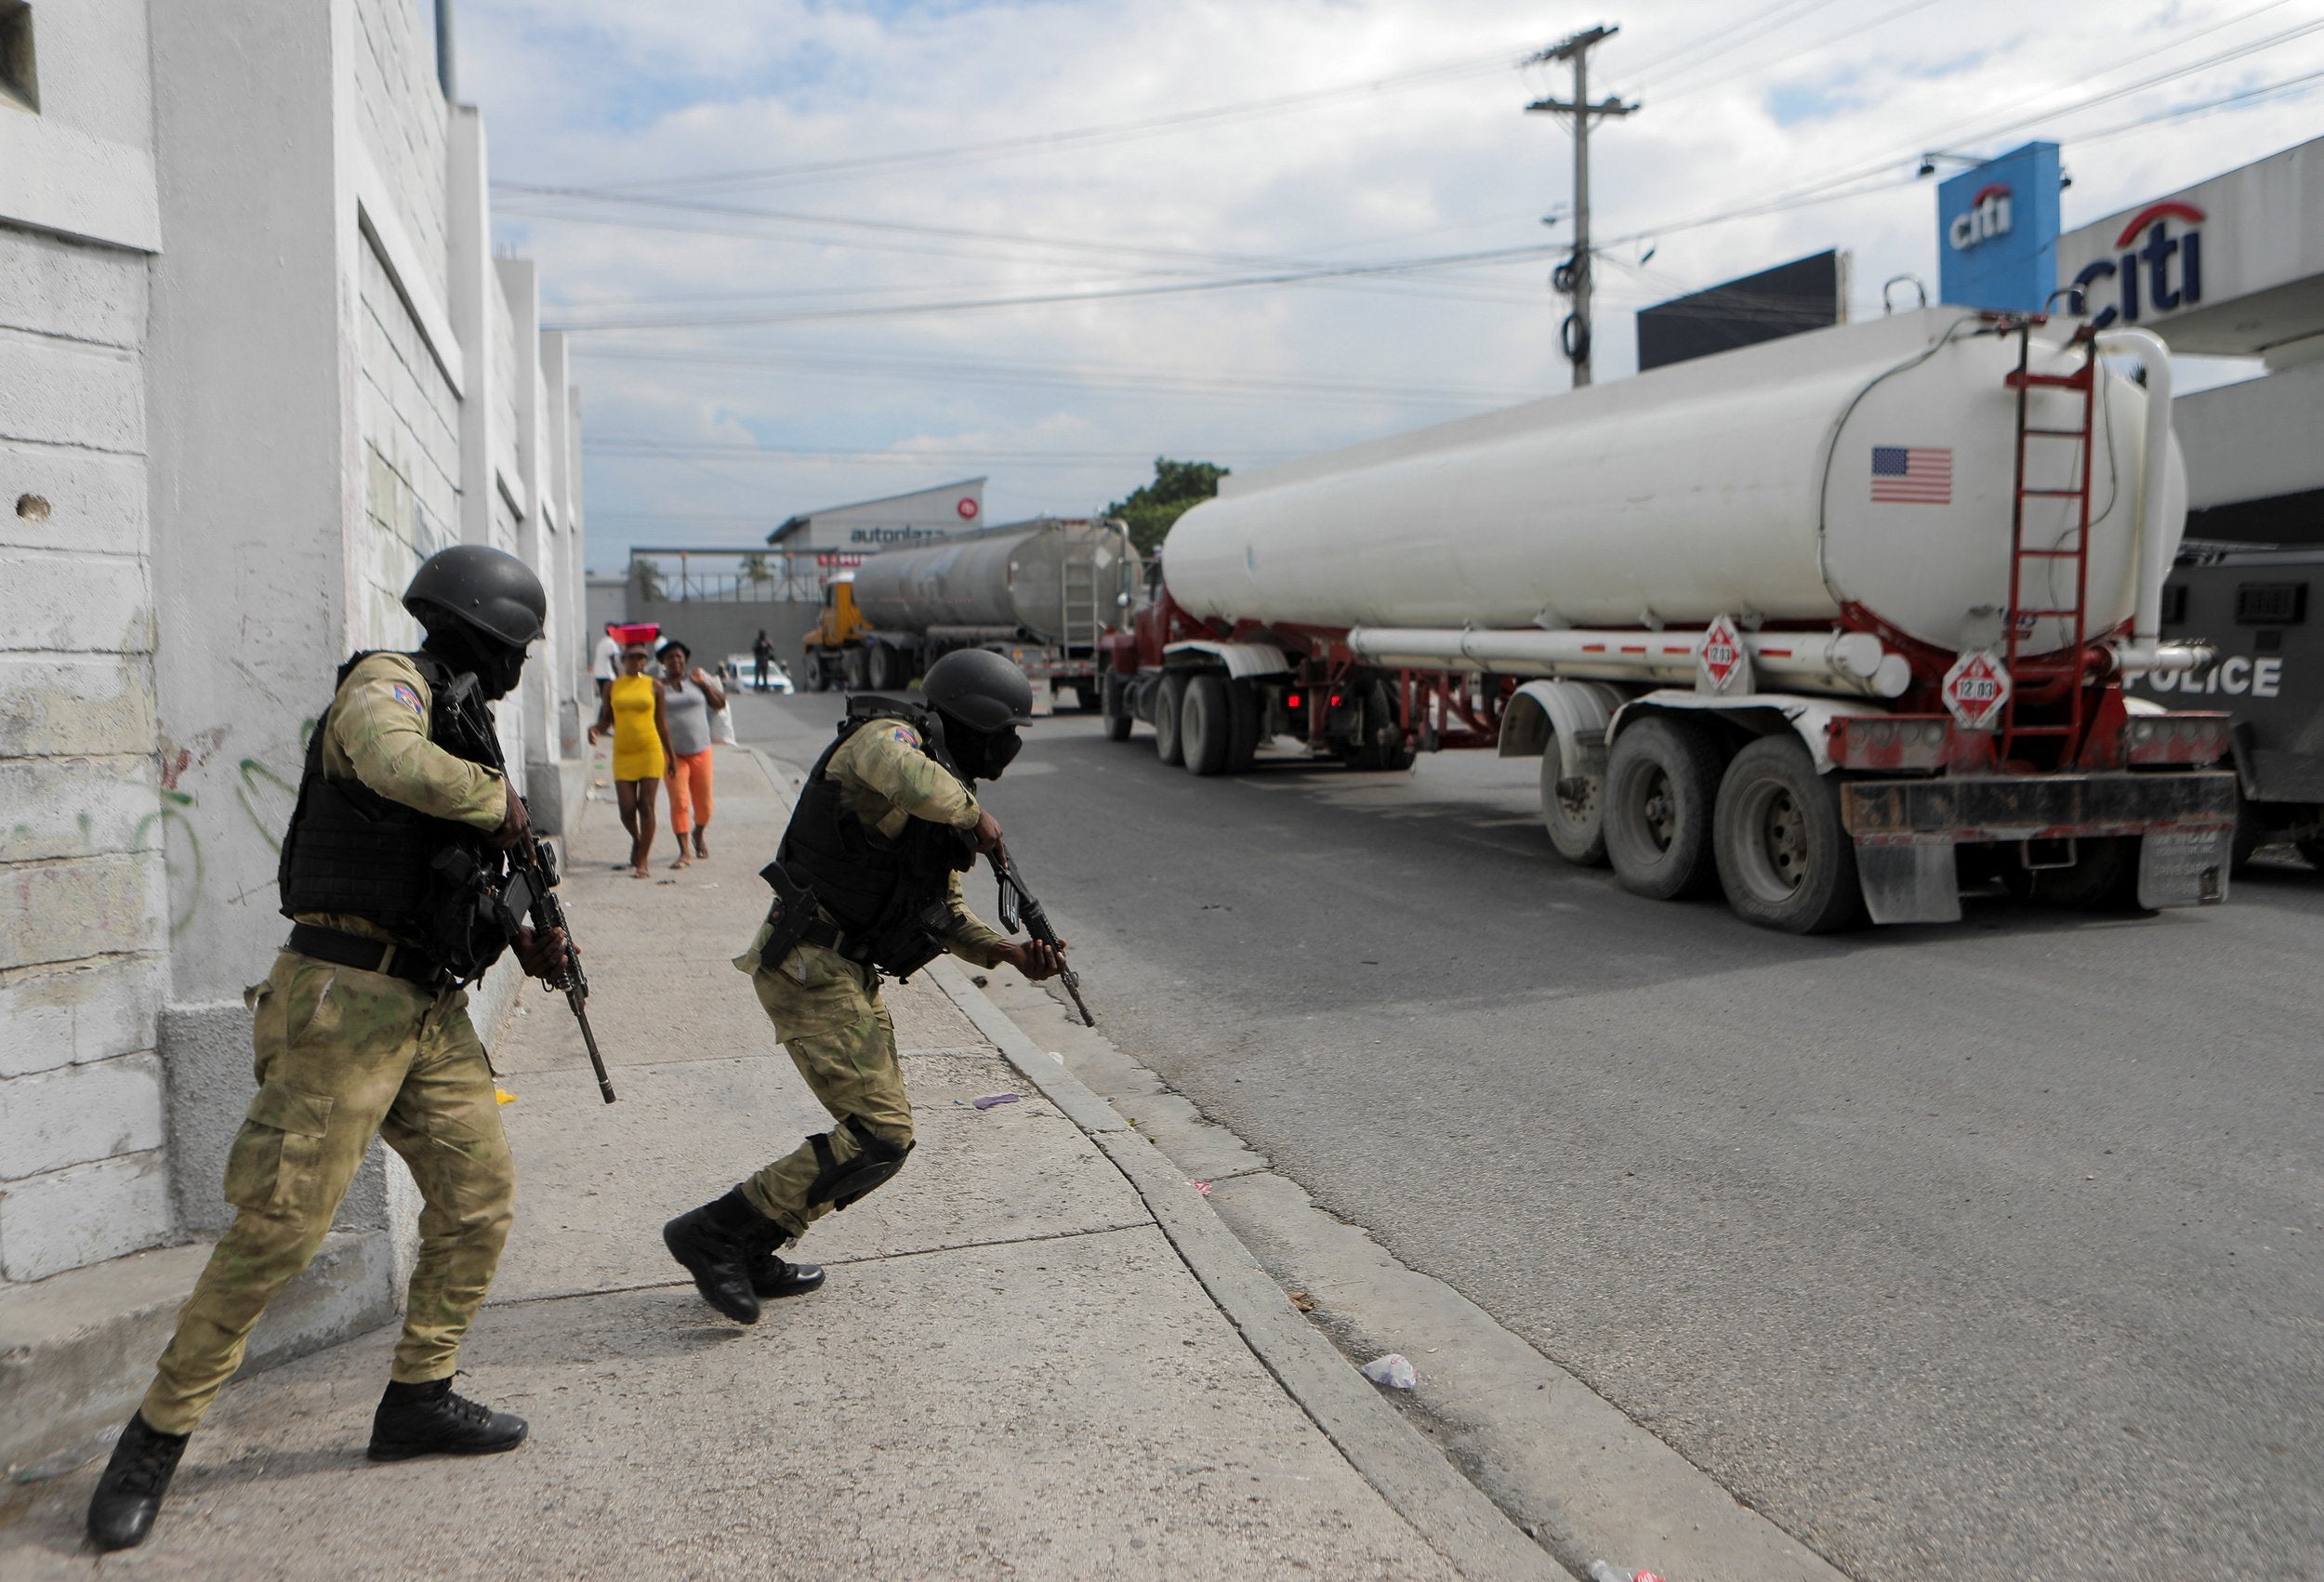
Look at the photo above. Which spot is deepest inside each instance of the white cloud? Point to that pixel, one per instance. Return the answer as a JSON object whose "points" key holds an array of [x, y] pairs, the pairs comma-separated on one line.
{"points": [[601, 92]]}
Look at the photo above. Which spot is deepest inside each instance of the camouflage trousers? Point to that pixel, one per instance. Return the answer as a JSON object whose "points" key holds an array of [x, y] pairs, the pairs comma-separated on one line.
{"points": [[343, 1055], [826, 1011]]}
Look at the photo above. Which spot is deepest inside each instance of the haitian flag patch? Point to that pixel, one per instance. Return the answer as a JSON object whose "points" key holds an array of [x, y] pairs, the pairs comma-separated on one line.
{"points": [[409, 698]]}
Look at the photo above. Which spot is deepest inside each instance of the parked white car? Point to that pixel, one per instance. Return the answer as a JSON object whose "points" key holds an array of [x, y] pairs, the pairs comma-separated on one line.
{"points": [[736, 670]]}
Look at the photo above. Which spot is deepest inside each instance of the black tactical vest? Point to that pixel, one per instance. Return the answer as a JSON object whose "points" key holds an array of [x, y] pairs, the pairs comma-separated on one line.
{"points": [[349, 850], [890, 898]]}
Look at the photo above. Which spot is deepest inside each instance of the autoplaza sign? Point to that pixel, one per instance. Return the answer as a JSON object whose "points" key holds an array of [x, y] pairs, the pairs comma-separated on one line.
{"points": [[1998, 231]]}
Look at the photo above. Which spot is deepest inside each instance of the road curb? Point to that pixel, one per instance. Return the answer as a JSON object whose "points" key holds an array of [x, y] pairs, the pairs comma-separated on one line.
{"points": [[1448, 1510]]}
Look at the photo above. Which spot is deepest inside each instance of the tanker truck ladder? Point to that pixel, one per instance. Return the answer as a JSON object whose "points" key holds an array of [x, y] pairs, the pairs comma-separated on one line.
{"points": [[1078, 620], [2038, 679]]}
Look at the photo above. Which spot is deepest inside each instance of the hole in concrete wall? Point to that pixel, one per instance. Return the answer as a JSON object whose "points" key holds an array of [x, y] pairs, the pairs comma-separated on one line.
{"points": [[33, 507], [19, 84]]}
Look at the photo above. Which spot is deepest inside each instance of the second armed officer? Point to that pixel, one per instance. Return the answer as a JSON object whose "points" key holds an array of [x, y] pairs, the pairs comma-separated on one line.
{"points": [[866, 882]]}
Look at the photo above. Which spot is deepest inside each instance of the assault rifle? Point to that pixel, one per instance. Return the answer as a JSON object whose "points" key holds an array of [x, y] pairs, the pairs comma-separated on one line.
{"points": [[1016, 902], [533, 891]]}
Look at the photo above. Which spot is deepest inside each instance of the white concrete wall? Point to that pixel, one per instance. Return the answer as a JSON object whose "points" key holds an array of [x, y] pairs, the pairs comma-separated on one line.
{"points": [[256, 363], [84, 921]]}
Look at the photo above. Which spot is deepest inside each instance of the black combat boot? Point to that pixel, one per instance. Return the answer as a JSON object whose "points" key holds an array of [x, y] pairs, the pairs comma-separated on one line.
{"points": [[771, 1277], [719, 1243], [130, 1494], [428, 1419]]}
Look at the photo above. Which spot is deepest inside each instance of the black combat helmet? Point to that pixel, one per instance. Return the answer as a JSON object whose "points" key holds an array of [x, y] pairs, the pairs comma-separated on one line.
{"points": [[488, 590], [980, 689]]}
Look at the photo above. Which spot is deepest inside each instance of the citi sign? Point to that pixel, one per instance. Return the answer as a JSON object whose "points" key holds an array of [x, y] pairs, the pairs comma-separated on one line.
{"points": [[1986, 217], [2147, 247]]}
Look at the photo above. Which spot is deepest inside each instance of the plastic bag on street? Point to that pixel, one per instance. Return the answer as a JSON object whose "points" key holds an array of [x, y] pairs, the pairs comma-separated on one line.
{"points": [[1392, 1370]]}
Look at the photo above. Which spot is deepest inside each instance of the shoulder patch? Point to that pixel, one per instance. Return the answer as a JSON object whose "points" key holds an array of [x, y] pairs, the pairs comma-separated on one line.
{"points": [[905, 733], [408, 698]]}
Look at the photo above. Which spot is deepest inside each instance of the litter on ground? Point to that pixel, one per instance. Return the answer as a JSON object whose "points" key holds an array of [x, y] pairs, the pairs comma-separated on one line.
{"points": [[1392, 1370]]}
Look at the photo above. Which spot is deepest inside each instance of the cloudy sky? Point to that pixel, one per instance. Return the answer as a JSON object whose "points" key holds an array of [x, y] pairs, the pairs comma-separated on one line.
{"points": [[816, 251]]}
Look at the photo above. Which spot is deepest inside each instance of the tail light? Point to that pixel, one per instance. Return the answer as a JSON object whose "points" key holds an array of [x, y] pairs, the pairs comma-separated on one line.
{"points": [[1890, 742], [2175, 738]]}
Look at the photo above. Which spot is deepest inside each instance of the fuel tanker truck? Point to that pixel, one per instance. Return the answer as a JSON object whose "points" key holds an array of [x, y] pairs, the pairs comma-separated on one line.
{"points": [[1042, 593], [1835, 624]]}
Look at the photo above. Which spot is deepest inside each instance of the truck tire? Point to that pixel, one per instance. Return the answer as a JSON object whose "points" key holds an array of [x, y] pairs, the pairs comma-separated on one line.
{"points": [[852, 671], [1661, 782], [1785, 859], [1085, 696], [1245, 709], [1169, 704], [1573, 804], [1118, 719], [1206, 725]]}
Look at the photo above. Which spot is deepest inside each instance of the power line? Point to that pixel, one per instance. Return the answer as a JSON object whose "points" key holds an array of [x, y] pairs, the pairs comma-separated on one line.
{"points": [[1116, 131], [1286, 277]]}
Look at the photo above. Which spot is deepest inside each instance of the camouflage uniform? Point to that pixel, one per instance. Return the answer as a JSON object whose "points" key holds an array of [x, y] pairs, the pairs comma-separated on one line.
{"points": [[342, 1054], [825, 1009]]}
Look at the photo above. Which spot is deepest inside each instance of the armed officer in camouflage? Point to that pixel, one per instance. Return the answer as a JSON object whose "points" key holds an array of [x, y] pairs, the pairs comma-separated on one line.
{"points": [[363, 1029], [866, 882]]}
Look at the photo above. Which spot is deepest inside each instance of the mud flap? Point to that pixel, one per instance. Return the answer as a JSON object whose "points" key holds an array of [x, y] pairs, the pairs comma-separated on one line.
{"points": [[2184, 867], [1909, 882]]}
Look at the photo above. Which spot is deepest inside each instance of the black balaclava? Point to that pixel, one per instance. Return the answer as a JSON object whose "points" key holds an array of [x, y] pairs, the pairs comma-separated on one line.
{"points": [[495, 664], [982, 755]]}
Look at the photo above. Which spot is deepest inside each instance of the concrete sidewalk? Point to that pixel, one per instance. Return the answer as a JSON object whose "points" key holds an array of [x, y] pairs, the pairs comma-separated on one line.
{"points": [[1039, 1353]]}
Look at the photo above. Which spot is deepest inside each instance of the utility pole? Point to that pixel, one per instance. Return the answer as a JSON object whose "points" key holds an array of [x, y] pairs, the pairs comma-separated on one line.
{"points": [[1573, 276]]}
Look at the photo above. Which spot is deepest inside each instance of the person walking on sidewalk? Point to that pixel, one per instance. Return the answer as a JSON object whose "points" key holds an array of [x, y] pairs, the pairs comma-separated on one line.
{"points": [[688, 697], [362, 1030], [633, 714], [866, 882]]}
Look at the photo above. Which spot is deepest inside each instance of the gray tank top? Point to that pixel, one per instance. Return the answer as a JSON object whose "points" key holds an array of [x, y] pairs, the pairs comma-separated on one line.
{"points": [[686, 710]]}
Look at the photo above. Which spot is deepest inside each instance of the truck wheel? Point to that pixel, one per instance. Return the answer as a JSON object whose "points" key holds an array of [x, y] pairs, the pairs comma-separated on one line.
{"points": [[1086, 695], [1245, 709], [1573, 806], [1785, 859], [1207, 725], [1168, 706], [1661, 779], [852, 671], [1118, 719]]}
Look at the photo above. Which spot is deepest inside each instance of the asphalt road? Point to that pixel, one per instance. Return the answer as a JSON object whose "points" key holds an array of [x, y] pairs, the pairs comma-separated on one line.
{"points": [[1987, 1251]]}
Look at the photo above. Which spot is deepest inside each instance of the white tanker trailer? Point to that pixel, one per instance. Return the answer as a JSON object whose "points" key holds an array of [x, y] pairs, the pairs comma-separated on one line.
{"points": [[1042, 593], [1825, 622]]}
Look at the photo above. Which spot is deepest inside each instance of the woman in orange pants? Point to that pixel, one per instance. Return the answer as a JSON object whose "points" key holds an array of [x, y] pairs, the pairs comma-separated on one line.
{"points": [[688, 697]]}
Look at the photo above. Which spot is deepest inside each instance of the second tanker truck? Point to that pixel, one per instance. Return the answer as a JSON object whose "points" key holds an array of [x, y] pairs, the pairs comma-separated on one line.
{"points": [[1044, 592], [1831, 624]]}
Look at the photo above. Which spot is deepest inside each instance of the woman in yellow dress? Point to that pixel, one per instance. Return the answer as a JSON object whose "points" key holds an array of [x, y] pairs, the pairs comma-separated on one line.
{"points": [[631, 712]]}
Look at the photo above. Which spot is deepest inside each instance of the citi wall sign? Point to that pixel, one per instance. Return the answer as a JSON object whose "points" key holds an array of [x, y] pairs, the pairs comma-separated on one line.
{"points": [[2142, 272], [1986, 217]]}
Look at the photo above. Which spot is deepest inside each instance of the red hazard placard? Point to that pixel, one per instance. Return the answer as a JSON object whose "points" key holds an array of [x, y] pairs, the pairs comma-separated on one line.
{"points": [[1723, 662], [967, 510], [1975, 690]]}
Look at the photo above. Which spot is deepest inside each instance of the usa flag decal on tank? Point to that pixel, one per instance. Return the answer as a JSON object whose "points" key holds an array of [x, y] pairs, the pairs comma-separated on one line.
{"points": [[1912, 475]]}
